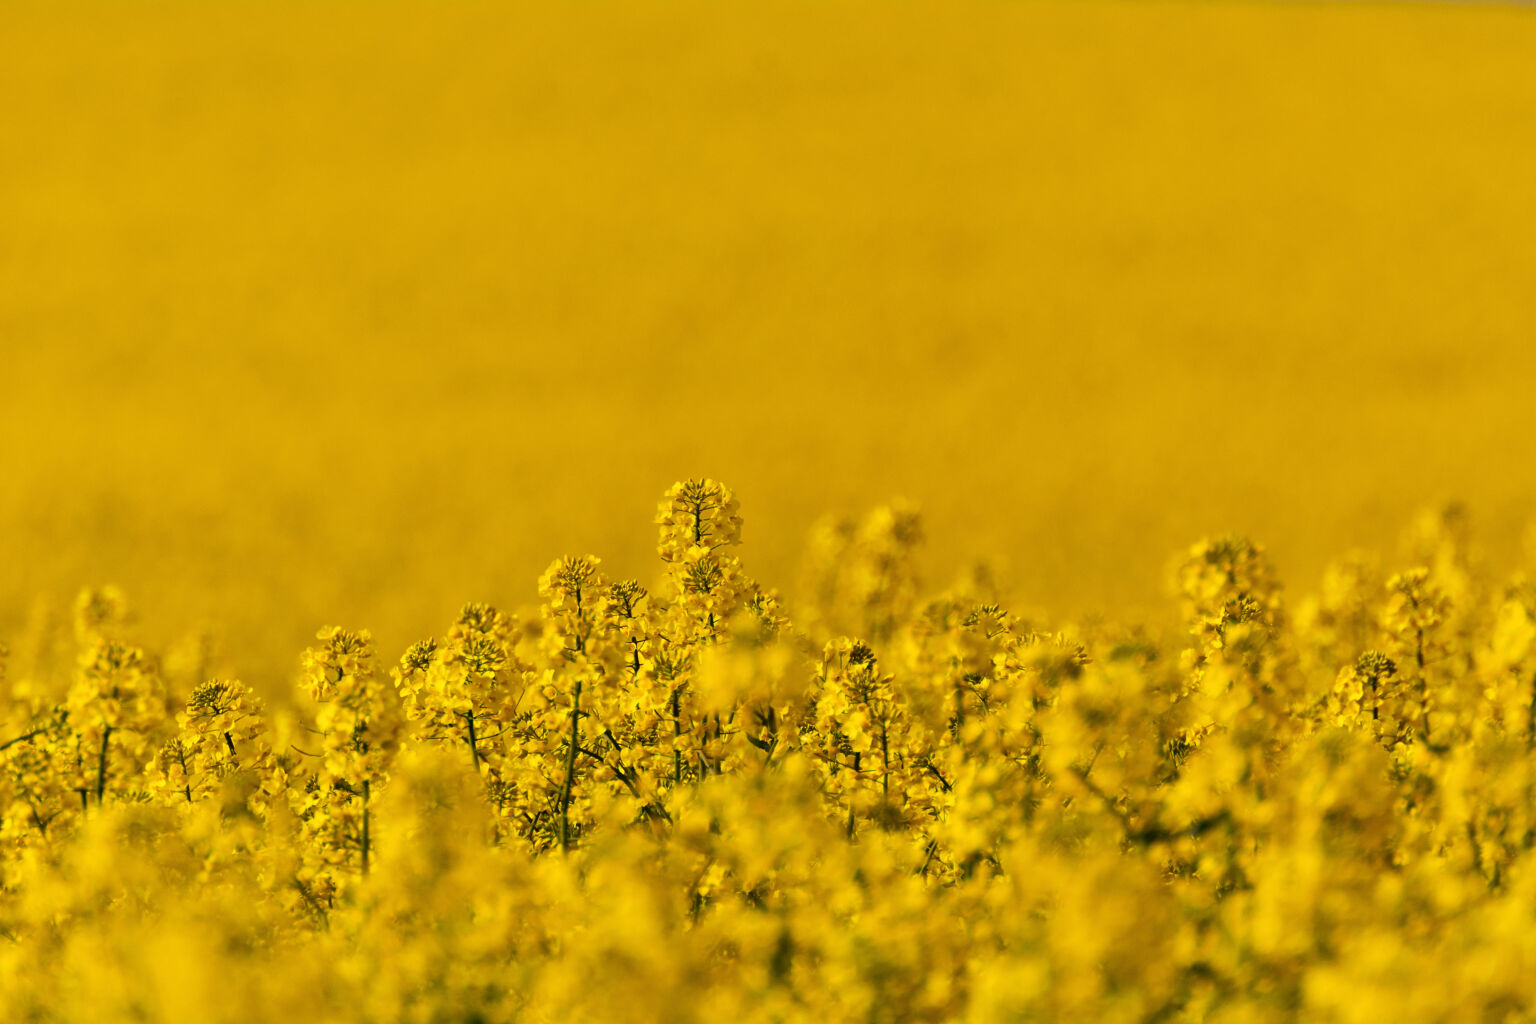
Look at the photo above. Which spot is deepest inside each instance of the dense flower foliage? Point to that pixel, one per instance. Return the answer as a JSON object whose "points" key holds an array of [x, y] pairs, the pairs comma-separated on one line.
{"points": [[694, 801]]}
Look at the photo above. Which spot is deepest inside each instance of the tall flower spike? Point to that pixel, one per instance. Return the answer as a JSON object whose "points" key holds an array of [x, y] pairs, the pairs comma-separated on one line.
{"points": [[99, 612], [117, 710], [575, 600], [360, 728], [220, 734], [696, 517]]}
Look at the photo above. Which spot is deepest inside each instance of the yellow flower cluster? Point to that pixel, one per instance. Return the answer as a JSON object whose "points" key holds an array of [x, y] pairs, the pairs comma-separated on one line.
{"points": [[684, 803]]}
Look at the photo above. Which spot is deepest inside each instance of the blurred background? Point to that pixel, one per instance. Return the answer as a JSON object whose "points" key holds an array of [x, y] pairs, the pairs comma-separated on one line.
{"points": [[351, 312]]}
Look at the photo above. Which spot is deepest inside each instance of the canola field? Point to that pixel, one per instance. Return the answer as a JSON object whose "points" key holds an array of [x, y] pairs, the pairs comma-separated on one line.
{"points": [[328, 328]]}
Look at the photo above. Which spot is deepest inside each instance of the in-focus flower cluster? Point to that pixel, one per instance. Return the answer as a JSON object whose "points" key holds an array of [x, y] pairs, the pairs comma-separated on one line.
{"points": [[688, 802]]}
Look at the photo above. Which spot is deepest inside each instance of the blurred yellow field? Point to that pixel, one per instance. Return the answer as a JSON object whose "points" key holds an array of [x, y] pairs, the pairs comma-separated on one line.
{"points": [[349, 311], [1106, 333]]}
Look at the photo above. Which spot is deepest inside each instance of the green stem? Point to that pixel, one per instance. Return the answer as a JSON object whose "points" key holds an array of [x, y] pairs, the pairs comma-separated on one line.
{"points": [[885, 763], [186, 776], [474, 746], [1530, 718], [677, 730], [570, 769], [101, 765], [367, 839], [21, 739]]}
